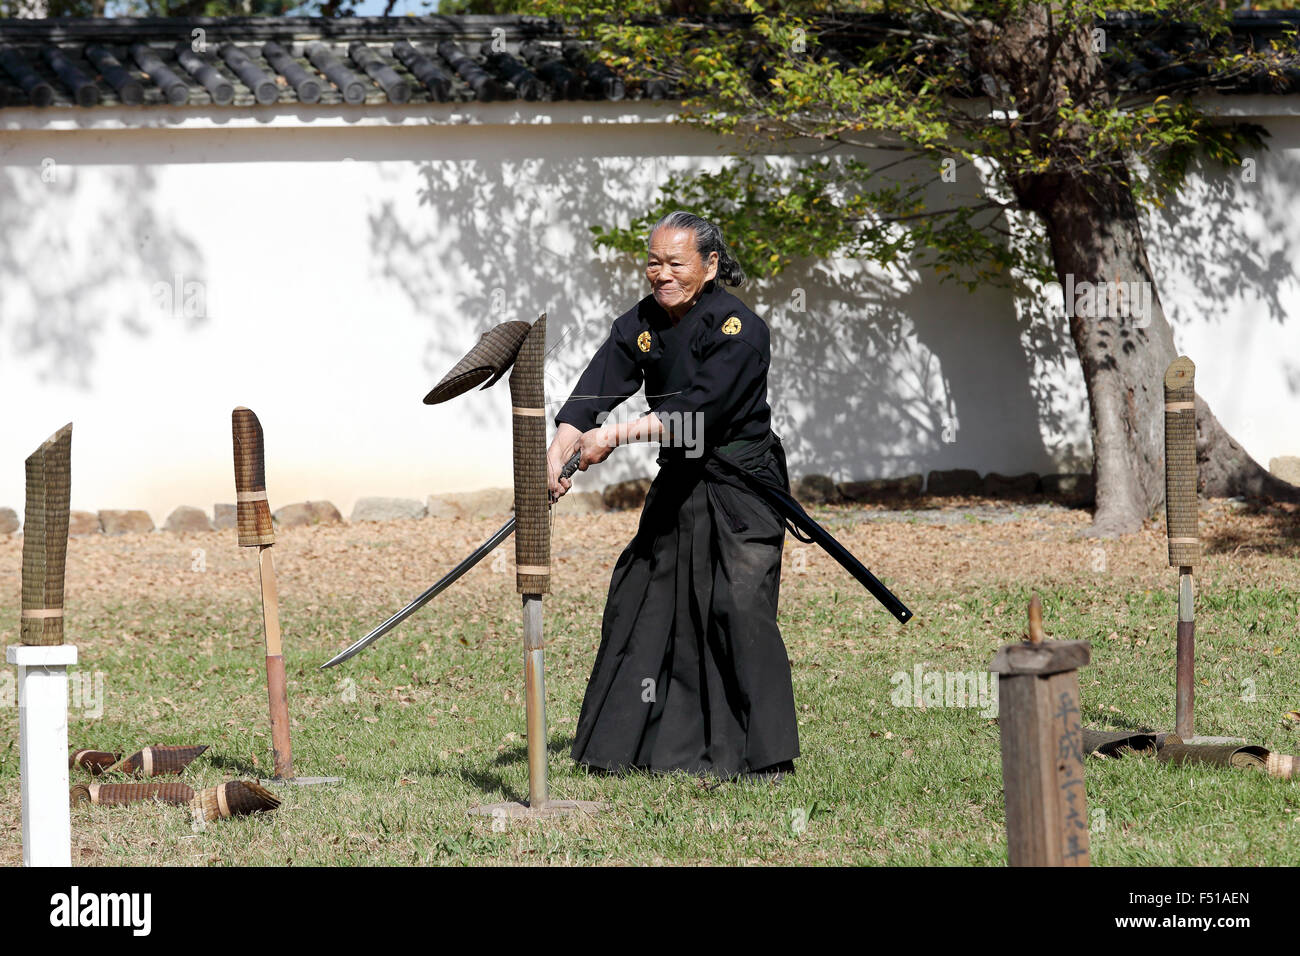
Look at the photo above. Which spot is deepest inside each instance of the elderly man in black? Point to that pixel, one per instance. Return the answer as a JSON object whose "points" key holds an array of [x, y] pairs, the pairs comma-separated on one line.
{"points": [[691, 673]]}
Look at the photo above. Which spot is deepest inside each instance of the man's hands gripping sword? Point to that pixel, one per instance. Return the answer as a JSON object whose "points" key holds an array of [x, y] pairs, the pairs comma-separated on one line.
{"points": [[595, 446]]}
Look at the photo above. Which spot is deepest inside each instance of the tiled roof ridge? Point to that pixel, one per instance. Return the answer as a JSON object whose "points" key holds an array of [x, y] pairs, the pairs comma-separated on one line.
{"points": [[264, 61], [477, 27]]}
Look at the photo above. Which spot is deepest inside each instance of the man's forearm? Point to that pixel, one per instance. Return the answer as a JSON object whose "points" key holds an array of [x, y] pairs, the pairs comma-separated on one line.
{"points": [[566, 438], [646, 428]]}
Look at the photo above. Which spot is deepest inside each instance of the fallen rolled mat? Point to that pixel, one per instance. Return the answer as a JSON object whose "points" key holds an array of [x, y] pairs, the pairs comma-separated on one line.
{"points": [[158, 760], [1282, 765], [1229, 755], [1216, 755], [236, 798], [122, 794], [96, 761], [1108, 743]]}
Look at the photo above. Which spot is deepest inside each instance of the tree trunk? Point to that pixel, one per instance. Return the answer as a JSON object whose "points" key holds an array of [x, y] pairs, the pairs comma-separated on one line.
{"points": [[1098, 239], [1119, 329]]}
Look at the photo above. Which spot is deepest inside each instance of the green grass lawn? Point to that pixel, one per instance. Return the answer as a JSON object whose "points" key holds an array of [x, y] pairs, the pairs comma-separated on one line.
{"points": [[430, 722]]}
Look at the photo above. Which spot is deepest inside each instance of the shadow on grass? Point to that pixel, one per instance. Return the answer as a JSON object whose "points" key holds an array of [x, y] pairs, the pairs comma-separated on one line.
{"points": [[1278, 534], [1094, 716], [519, 752], [234, 764], [488, 784]]}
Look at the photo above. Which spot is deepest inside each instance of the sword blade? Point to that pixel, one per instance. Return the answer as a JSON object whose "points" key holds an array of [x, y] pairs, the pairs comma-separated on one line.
{"points": [[505, 531], [847, 559]]}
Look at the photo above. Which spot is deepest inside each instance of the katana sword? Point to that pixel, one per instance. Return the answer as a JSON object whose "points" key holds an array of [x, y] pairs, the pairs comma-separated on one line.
{"points": [[794, 514], [479, 553]]}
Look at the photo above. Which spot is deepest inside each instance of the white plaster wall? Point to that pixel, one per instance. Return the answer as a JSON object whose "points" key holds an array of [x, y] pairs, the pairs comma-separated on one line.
{"points": [[347, 266]]}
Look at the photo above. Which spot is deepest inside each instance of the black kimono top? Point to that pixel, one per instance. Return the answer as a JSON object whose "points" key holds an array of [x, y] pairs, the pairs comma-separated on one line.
{"points": [[705, 378]]}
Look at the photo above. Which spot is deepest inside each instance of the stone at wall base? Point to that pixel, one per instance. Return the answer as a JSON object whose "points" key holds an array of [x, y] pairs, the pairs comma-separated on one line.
{"points": [[1071, 487], [8, 521], [119, 521], [816, 490], [305, 514], [387, 509], [1011, 486], [225, 516], [485, 503], [626, 494], [324, 512], [955, 481], [187, 520], [1286, 467], [879, 489], [82, 523]]}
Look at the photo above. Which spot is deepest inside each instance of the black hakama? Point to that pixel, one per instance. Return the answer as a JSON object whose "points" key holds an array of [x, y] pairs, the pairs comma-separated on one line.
{"points": [[691, 673]]}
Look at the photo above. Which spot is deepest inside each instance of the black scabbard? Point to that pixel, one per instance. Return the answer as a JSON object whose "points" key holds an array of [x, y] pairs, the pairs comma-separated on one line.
{"points": [[790, 509]]}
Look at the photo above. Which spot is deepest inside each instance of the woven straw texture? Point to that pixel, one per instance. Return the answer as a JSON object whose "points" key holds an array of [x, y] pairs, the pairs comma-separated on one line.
{"points": [[1109, 743], [1180, 464], [1218, 755], [232, 799], [96, 761], [121, 794], [532, 498], [1282, 765], [487, 361], [252, 517], [45, 538], [158, 760]]}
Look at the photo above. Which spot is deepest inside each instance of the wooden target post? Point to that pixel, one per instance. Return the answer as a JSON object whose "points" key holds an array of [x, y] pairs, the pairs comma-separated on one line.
{"points": [[1042, 748], [532, 569], [43, 659], [253, 519]]}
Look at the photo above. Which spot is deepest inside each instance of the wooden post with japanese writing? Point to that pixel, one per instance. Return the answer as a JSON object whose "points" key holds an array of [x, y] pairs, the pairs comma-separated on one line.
{"points": [[1042, 748]]}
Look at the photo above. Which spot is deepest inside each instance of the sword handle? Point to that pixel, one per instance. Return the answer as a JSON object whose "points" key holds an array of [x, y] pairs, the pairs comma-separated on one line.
{"points": [[567, 471]]}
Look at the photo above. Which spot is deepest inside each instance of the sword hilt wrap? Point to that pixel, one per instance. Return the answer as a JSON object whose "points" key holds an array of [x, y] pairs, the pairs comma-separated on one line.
{"points": [[569, 468], [1180, 463], [252, 511]]}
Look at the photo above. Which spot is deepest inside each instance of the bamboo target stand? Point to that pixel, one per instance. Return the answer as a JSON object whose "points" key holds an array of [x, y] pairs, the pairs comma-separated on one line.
{"points": [[1181, 519], [253, 516], [42, 658], [533, 574]]}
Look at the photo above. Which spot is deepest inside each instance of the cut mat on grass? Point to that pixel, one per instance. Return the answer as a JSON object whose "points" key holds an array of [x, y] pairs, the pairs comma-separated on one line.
{"points": [[430, 721]]}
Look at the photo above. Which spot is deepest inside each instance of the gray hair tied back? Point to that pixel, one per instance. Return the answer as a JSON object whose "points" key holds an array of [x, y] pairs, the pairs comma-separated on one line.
{"points": [[708, 238]]}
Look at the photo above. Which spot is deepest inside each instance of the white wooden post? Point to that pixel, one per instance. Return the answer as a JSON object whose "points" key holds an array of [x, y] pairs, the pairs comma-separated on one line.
{"points": [[43, 753]]}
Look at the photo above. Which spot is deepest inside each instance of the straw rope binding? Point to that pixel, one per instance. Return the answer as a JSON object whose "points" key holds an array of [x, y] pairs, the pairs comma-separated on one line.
{"points": [[45, 539], [532, 487], [252, 513], [236, 798], [1180, 463], [1282, 765], [487, 361]]}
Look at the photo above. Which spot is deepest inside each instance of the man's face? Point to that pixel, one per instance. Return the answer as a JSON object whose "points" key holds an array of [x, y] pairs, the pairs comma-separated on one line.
{"points": [[676, 271]]}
